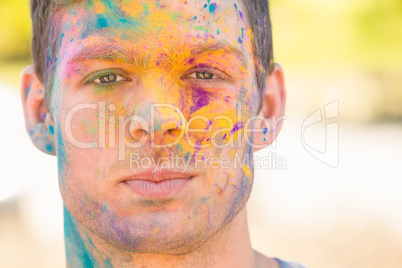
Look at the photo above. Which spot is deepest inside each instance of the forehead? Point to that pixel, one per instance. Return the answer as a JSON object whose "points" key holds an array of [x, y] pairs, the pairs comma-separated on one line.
{"points": [[155, 23]]}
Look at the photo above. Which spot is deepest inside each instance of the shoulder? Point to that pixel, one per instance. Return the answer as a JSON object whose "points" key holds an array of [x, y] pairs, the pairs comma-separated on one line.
{"points": [[284, 264]]}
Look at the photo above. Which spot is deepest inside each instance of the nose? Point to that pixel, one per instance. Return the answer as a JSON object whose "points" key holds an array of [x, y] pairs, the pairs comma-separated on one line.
{"points": [[163, 124]]}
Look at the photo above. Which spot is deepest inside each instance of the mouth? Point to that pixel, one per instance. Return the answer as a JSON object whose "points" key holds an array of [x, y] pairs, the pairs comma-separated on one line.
{"points": [[163, 183]]}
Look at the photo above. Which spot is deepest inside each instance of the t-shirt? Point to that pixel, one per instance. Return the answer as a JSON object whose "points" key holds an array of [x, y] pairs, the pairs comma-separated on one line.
{"points": [[284, 264]]}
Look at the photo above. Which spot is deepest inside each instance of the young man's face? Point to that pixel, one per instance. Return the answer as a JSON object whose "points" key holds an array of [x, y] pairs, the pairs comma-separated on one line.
{"points": [[175, 64]]}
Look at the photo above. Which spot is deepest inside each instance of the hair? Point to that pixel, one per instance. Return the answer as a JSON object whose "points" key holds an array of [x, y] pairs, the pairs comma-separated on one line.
{"points": [[46, 29]]}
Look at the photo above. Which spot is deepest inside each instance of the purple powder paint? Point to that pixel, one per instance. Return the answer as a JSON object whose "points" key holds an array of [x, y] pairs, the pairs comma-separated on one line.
{"points": [[209, 125], [201, 99], [237, 127]]}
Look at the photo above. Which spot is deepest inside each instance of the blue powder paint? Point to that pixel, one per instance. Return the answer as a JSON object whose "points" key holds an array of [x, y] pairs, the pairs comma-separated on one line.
{"points": [[205, 6], [61, 38], [235, 5], [107, 263], [241, 14], [242, 33], [51, 130], [101, 23], [49, 147], [72, 238], [265, 131], [115, 19], [111, 5], [158, 126], [61, 153], [240, 41], [27, 92], [212, 7], [218, 31]]}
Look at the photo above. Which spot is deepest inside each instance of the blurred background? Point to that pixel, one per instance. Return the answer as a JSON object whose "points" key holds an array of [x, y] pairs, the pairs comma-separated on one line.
{"points": [[332, 194]]}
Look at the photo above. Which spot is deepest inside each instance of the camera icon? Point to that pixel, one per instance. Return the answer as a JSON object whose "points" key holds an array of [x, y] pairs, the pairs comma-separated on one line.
{"points": [[330, 154]]}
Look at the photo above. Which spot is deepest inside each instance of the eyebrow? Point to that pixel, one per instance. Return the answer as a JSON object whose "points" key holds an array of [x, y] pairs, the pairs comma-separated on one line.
{"points": [[129, 54]]}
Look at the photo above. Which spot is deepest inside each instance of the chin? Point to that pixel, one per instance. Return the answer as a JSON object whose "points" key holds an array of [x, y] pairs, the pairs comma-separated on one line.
{"points": [[154, 232]]}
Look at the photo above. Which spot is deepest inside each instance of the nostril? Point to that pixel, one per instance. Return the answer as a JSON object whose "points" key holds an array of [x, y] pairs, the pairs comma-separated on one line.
{"points": [[171, 136], [174, 132], [139, 134]]}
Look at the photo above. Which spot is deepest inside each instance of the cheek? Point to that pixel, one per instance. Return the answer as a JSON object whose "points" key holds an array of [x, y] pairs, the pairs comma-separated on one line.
{"points": [[83, 128], [224, 114]]}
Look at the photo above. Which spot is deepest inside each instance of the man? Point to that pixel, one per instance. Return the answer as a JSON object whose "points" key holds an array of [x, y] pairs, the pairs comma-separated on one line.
{"points": [[154, 109]]}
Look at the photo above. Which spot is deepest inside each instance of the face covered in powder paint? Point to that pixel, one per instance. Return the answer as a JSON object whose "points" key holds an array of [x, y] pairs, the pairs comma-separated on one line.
{"points": [[187, 69]]}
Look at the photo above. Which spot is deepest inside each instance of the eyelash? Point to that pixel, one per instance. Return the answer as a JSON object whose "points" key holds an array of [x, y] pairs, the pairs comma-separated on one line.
{"points": [[118, 79], [91, 79], [218, 76]]}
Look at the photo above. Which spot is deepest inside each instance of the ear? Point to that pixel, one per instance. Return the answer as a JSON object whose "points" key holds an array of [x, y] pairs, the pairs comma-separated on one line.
{"points": [[272, 114], [38, 121]]}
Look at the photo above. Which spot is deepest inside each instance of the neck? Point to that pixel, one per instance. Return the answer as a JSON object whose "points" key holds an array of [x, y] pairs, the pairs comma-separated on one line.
{"points": [[230, 247]]}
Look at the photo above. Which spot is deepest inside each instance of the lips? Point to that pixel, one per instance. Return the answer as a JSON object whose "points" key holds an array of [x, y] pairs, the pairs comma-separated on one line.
{"points": [[160, 184]]}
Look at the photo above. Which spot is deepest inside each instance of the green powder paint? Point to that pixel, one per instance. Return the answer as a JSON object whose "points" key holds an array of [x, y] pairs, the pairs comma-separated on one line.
{"points": [[135, 109], [146, 8], [179, 147], [176, 15], [201, 28], [103, 88]]}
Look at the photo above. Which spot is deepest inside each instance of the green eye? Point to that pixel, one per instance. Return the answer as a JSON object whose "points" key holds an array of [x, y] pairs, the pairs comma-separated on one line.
{"points": [[204, 75], [108, 79]]}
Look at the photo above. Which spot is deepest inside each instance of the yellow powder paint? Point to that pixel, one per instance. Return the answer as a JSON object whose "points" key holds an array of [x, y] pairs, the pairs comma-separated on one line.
{"points": [[247, 171], [156, 230], [99, 8], [132, 7], [218, 190]]}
